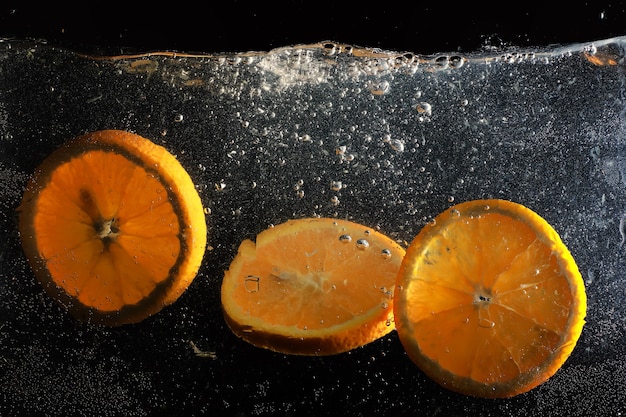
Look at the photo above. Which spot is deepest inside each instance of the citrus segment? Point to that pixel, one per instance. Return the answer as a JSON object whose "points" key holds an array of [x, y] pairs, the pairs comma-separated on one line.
{"points": [[113, 227], [489, 301], [313, 286]]}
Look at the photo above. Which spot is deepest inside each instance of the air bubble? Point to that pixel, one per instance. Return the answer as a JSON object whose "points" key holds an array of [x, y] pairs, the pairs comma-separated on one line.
{"points": [[396, 144], [424, 108], [442, 61], [386, 253], [486, 323], [591, 49], [251, 283], [362, 244], [336, 185], [334, 200], [345, 238], [455, 214], [456, 61], [330, 48], [378, 88]]}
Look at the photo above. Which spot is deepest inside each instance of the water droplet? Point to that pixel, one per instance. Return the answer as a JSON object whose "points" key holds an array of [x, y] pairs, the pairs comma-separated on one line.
{"points": [[384, 305], [300, 193], [362, 244], [178, 118], [432, 222], [345, 238], [450, 199], [455, 214], [386, 253], [334, 200]]}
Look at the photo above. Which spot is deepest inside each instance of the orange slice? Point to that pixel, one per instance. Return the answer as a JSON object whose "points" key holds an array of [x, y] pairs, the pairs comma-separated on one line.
{"points": [[489, 301], [313, 286], [113, 227]]}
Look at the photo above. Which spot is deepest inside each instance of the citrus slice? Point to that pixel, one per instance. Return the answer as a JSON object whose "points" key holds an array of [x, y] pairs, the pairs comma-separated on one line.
{"points": [[113, 227], [489, 301], [314, 286]]}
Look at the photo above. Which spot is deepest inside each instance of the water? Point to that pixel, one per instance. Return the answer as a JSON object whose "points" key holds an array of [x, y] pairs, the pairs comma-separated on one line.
{"points": [[383, 138]]}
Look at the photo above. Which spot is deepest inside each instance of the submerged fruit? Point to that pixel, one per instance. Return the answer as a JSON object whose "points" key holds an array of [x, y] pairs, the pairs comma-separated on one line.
{"points": [[113, 227], [313, 286], [490, 302]]}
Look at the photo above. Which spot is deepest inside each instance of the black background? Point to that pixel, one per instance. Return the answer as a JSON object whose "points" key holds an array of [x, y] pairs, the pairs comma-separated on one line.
{"points": [[239, 26]]}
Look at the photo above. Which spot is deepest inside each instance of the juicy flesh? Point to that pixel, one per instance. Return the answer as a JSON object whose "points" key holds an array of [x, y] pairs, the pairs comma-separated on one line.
{"points": [[488, 299], [106, 230], [313, 282]]}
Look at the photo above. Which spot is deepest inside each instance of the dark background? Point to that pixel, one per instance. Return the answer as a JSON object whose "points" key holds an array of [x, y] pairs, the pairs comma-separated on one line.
{"points": [[239, 26]]}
